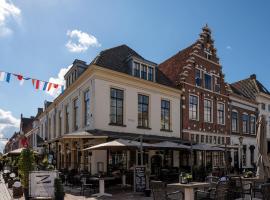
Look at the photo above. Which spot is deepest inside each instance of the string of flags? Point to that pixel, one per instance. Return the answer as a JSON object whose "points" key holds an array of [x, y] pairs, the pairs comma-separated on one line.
{"points": [[50, 87]]}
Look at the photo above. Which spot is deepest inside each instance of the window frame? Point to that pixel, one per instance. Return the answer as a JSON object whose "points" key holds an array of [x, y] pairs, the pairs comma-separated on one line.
{"points": [[86, 104], [211, 110], [218, 112], [211, 81], [165, 110], [197, 108], [237, 121], [76, 114], [117, 100], [247, 123], [252, 132], [141, 118]]}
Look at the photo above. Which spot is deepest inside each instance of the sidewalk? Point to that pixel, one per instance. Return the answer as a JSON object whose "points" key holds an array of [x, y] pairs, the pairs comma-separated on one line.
{"points": [[4, 194]]}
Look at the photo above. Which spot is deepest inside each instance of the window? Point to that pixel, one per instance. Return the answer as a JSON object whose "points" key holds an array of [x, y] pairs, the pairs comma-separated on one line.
{"points": [[54, 125], [234, 121], [218, 140], [192, 138], [67, 118], [144, 72], [215, 139], [245, 123], [263, 106], [208, 53], [193, 107], [60, 122], [206, 139], [210, 139], [208, 81], [197, 138], [221, 113], [76, 114], [207, 110], [117, 98], [217, 84], [143, 111], [222, 140], [198, 77], [87, 108], [251, 148], [252, 124], [150, 73], [202, 138], [165, 115], [136, 69], [244, 155]]}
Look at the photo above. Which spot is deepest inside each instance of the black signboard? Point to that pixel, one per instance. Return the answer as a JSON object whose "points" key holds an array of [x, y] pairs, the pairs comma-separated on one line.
{"points": [[139, 179]]}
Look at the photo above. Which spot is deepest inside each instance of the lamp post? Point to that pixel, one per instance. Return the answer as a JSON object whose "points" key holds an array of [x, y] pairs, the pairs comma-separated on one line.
{"points": [[241, 153]]}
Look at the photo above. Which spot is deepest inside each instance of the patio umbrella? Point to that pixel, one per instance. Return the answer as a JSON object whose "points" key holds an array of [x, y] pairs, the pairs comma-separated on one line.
{"points": [[118, 144], [206, 147], [171, 145], [17, 152], [263, 164]]}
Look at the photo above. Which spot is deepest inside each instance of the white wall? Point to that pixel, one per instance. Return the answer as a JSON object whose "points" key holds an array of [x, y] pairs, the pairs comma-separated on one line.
{"points": [[102, 109], [262, 99]]}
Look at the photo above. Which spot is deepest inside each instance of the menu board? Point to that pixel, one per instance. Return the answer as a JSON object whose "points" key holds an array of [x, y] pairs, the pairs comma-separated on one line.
{"points": [[139, 179]]}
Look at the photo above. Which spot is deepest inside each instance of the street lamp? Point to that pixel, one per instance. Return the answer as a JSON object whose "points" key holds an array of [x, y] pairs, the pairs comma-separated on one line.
{"points": [[241, 153]]}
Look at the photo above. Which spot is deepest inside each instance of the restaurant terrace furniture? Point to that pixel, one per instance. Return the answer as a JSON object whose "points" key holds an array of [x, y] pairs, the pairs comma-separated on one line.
{"points": [[102, 186], [221, 192], [189, 188], [85, 185], [265, 190], [256, 187], [240, 187], [159, 191]]}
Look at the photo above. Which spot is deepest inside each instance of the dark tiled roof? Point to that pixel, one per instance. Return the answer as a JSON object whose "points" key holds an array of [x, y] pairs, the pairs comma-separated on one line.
{"points": [[249, 87], [116, 59], [27, 124]]}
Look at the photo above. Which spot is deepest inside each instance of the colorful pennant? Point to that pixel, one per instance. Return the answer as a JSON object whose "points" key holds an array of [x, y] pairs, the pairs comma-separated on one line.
{"points": [[53, 88]]}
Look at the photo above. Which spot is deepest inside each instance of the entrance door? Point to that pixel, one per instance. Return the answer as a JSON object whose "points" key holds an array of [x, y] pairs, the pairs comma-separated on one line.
{"points": [[156, 162], [236, 160]]}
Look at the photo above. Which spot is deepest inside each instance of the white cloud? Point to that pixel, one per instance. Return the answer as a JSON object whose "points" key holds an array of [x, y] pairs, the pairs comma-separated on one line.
{"points": [[80, 41], [58, 80], [8, 125], [228, 47], [8, 11]]}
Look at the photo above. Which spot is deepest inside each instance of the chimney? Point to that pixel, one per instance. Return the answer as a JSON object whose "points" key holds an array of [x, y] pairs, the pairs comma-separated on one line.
{"points": [[253, 76], [40, 110]]}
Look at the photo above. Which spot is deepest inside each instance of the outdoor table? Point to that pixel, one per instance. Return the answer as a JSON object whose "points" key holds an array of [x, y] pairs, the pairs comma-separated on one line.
{"points": [[102, 186], [12, 175], [189, 188]]}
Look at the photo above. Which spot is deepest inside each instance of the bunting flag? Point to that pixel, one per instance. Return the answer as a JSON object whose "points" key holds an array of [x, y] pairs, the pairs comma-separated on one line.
{"points": [[51, 88]]}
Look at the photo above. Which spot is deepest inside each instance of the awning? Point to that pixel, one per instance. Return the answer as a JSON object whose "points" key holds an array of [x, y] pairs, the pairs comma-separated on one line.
{"points": [[119, 144], [171, 145], [206, 147]]}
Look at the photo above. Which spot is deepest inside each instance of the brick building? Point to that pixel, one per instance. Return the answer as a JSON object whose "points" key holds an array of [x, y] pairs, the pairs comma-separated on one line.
{"points": [[197, 71]]}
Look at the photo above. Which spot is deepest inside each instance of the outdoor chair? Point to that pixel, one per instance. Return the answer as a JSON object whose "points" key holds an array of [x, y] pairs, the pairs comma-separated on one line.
{"points": [[239, 189], [159, 191], [85, 185], [220, 192], [256, 188], [265, 190]]}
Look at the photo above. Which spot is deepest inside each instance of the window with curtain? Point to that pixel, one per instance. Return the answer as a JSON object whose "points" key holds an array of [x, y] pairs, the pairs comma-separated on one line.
{"points": [[143, 111], [116, 113], [193, 107]]}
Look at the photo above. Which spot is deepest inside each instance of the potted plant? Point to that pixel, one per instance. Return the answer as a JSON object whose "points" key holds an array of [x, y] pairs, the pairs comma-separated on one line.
{"points": [[26, 164], [58, 189]]}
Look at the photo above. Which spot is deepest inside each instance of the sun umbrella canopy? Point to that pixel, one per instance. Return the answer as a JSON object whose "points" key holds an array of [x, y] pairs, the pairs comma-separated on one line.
{"points": [[171, 145], [263, 164], [17, 152], [206, 147], [118, 144]]}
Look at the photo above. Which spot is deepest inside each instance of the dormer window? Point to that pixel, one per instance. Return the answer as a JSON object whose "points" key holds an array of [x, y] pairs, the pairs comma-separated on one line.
{"points": [[150, 73], [143, 71], [136, 71]]}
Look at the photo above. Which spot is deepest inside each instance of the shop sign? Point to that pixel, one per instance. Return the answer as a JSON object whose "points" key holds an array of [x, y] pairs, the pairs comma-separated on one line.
{"points": [[139, 178], [41, 183]]}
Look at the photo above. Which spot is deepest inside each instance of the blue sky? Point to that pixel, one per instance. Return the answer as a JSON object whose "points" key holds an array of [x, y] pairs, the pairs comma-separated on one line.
{"points": [[33, 38]]}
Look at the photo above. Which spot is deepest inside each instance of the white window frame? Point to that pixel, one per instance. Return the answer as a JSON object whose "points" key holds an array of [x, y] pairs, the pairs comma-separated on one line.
{"points": [[247, 131], [198, 107], [211, 114], [237, 125], [218, 122]]}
